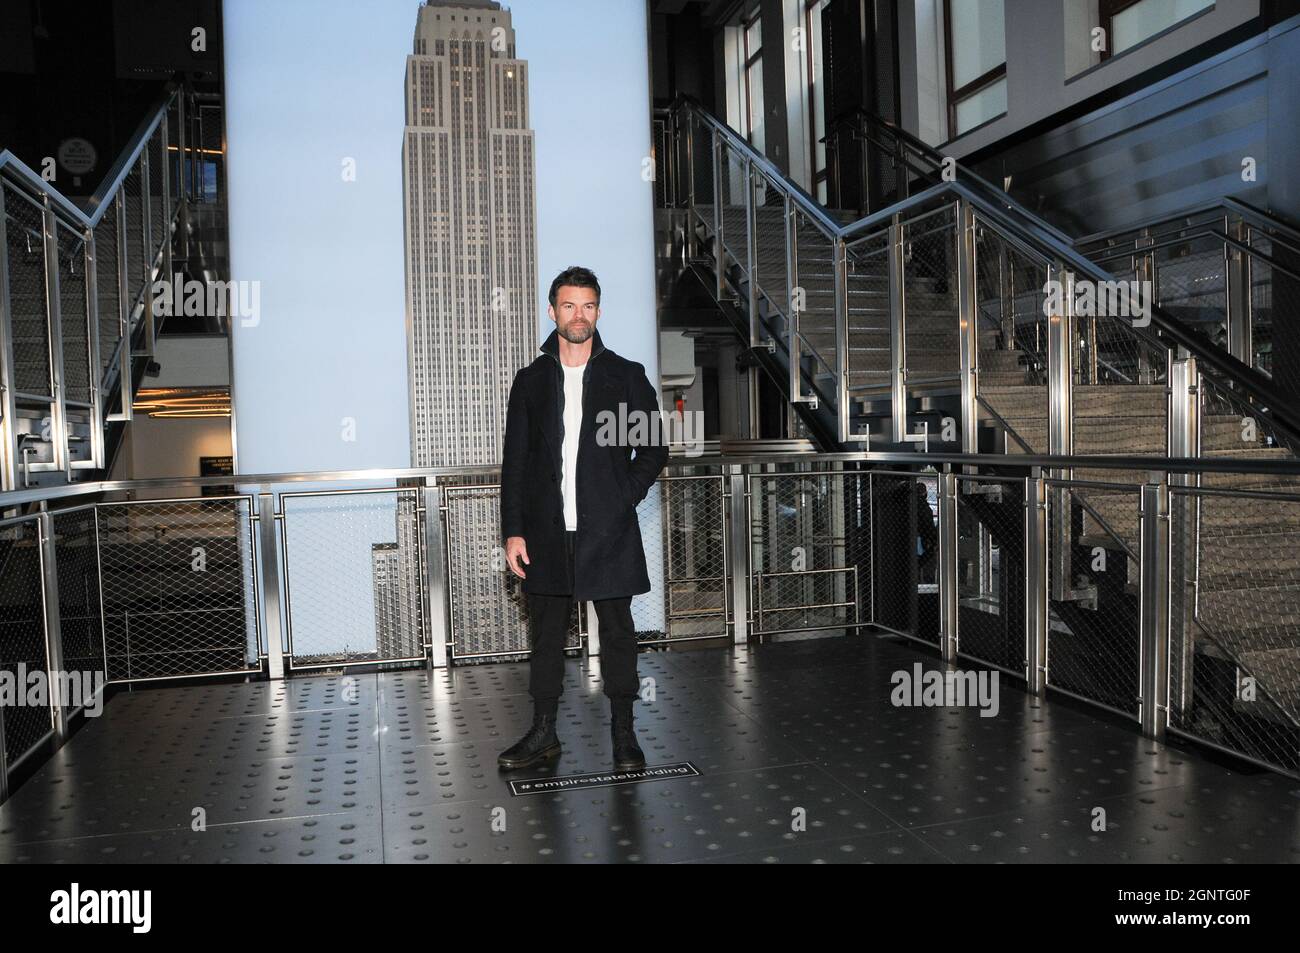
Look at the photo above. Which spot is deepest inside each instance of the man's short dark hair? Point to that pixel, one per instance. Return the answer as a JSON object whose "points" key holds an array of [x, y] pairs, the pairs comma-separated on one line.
{"points": [[577, 277]]}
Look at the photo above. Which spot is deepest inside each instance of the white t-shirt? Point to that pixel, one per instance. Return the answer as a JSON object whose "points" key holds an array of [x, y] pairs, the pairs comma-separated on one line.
{"points": [[572, 429]]}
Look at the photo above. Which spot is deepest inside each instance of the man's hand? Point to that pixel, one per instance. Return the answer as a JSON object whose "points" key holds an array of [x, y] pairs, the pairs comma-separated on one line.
{"points": [[517, 549]]}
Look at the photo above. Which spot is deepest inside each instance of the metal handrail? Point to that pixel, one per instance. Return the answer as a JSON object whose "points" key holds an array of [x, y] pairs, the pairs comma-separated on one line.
{"points": [[1237, 207], [807, 204], [99, 202], [1011, 216], [907, 141], [936, 158], [1016, 462]]}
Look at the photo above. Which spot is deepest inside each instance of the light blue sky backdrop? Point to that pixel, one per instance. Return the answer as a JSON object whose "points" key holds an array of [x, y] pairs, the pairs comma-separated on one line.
{"points": [[310, 82]]}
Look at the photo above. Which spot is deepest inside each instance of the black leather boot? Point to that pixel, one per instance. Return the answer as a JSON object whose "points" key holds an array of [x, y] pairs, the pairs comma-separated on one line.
{"points": [[540, 744], [627, 753]]}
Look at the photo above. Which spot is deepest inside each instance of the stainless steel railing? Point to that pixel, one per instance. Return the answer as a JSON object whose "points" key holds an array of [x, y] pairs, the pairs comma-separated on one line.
{"points": [[1194, 628], [804, 279], [76, 299]]}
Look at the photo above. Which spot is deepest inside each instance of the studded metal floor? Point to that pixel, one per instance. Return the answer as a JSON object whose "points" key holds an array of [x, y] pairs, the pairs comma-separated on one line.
{"points": [[405, 771]]}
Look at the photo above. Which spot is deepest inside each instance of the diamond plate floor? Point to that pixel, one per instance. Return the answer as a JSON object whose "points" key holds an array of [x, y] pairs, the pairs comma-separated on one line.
{"points": [[401, 767]]}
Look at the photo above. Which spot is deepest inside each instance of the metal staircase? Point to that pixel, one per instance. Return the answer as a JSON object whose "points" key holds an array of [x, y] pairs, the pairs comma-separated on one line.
{"points": [[77, 317], [925, 325]]}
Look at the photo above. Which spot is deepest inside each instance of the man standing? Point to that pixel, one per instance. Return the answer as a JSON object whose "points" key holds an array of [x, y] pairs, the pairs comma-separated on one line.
{"points": [[583, 446]]}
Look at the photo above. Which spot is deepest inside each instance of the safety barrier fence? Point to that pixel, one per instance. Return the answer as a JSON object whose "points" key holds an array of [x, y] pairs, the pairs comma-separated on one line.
{"points": [[1185, 619], [77, 302]]}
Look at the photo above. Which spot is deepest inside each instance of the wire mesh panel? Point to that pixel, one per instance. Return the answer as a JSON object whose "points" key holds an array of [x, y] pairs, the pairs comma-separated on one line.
{"points": [[810, 550], [662, 144], [867, 279], [904, 554], [991, 572], [107, 282], [1191, 285], [28, 301], [211, 160], [22, 636], [177, 578], [815, 285], [932, 334], [1119, 398], [159, 226], [175, 160], [81, 626], [702, 157], [1094, 638], [1230, 428], [489, 610], [1235, 620], [133, 200], [1012, 326], [771, 267], [1274, 292], [735, 231], [353, 576], [683, 531], [72, 314]]}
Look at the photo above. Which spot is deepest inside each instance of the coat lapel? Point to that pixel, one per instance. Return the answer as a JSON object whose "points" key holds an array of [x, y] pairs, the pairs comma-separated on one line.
{"points": [[553, 398]]}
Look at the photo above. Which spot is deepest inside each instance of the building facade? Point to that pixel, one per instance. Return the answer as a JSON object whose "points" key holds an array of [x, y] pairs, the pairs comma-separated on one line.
{"points": [[470, 227]]}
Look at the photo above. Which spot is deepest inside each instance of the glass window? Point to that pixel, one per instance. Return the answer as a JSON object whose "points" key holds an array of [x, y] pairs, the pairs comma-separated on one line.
{"points": [[1129, 23], [975, 44], [978, 39], [753, 51], [978, 108]]}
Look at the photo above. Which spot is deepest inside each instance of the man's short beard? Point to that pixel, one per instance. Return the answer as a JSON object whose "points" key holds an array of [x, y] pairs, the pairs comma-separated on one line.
{"points": [[579, 334]]}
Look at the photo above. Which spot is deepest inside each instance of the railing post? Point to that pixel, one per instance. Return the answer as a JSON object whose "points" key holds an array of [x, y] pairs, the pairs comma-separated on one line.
{"points": [[146, 227], [268, 551], [684, 126], [165, 196], [94, 377], [738, 542], [1036, 574], [1184, 413], [897, 334], [53, 627], [8, 432], [946, 569], [1238, 298], [435, 575], [1154, 603], [124, 305], [719, 253], [793, 348], [840, 271], [1060, 437], [183, 185], [591, 645], [751, 255], [54, 328], [967, 323]]}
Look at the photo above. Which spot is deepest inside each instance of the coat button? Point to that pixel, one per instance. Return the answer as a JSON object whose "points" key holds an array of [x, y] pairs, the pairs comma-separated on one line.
{"points": [[552, 477], [555, 520]]}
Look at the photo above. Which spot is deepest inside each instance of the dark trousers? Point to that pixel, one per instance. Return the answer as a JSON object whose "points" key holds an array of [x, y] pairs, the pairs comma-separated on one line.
{"points": [[549, 619]]}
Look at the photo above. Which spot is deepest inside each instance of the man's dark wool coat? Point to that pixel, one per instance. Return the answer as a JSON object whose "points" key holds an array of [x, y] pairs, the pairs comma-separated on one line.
{"points": [[609, 561]]}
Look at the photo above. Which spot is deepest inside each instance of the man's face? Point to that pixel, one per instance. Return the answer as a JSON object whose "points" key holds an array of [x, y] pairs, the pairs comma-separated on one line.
{"points": [[575, 313]]}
